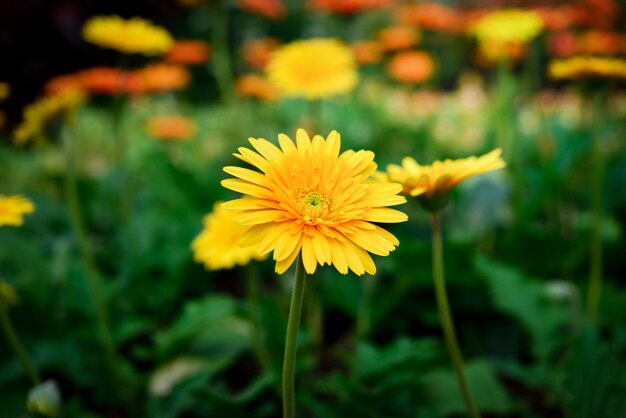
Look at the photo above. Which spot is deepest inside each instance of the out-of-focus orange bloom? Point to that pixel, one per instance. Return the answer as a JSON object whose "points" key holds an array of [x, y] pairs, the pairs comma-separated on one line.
{"points": [[271, 9], [491, 53], [258, 53], [348, 6], [258, 87], [562, 44], [367, 52], [102, 80], [63, 83], [430, 16], [411, 67], [171, 128], [189, 52], [398, 37], [158, 78], [556, 18], [568, 44]]}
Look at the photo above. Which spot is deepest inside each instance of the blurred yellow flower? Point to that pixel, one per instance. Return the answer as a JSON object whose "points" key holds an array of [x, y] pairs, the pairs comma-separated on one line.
{"points": [[587, 67], [432, 183], [171, 128], [134, 35], [309, 199], [13, 209], [217, 246], [5, 91], [508, 25], [37, 115], [313, 69]]}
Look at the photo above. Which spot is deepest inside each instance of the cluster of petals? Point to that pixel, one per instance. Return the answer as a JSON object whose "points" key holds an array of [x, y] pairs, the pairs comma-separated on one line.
{"points": [[135, 35], [441, 176], [308, 198], [582, 67], [13, 208], [412, 67], [508, 25], [188, 52]]}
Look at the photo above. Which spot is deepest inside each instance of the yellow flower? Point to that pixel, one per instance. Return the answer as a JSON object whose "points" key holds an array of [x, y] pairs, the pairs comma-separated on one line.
{"points": [[37, 115], [130, 36], [13, 209], [313, 69], [217, 246], [587, 67], [5, 91], [310, 199], [432, 183], [509, 25]]}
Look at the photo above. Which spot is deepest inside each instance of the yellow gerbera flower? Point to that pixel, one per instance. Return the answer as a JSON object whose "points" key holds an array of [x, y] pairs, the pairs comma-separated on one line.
{"points": [[587, 67], [310, 199], [37, 115], [313, 69], [432, 183], [130, 36], [217, 246], [13, 209], [509, 25]]}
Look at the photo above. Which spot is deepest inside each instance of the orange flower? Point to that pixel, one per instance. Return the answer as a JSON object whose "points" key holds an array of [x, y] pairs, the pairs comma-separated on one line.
{"points": [[158, 78], [258, 87], [411, 67], [102, 80], [600, 43], [556, 18], [189, 52], [258, 53], [367, 52], [63, 83], [271, 9], [398, 37], [562, 44], [171, 128], [348, 6], [430, 16]]}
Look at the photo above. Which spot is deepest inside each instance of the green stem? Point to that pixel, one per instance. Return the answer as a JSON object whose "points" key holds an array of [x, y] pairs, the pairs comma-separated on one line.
{"points": [[222, 60], [16, 344], [597, 203], [447, 324], [291, 341], [94, 281]]}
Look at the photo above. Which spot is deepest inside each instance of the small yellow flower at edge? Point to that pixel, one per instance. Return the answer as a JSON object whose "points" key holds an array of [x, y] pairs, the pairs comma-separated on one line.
{"points": [[13, 209], [128, 36], [431, 184], [308, 198]]}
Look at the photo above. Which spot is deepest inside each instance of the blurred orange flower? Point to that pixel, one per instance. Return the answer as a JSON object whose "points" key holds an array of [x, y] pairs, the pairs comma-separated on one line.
{"points": [[367, 52], [158, 78], [567, 44], [411, 67], [431, 16], [258, 87], [562, 44], [62, 83], [348, 6], [556, 18], [258, 53], [171, 128], [189, 52], [271, 9], [398, 37]]}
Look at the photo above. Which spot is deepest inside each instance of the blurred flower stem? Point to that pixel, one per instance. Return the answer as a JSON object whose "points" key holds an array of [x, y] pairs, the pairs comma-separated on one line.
{"points": [[222, 58], [597, 205], [94, 280], [291, 341], [16, 344], [447, 323]]}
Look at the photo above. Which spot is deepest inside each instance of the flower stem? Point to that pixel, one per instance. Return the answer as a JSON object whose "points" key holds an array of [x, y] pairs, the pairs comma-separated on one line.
{"points": [[16, 344], [291, 341], [222, 60], [94, 281], [597, 203], [447, 324]]}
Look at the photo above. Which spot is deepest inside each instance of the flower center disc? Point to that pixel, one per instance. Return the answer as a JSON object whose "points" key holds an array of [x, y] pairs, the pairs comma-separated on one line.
{"points": [[313, 207]]}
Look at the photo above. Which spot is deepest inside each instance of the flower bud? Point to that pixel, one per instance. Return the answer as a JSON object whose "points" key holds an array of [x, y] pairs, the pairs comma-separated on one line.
{"points": [[44, 399]]}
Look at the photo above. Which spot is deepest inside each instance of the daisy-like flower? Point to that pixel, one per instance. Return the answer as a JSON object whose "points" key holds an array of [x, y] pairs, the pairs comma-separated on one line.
{"points": [[309, 199], [432, 183], [313, 69], [39, 114], [217, 246], [509, 25], [582, 67], [128, 36], [13, 209], [171, 128]]}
